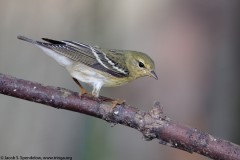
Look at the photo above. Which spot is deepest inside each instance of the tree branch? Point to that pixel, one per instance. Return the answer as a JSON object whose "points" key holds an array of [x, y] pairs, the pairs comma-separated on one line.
{"points": [[152, 124]]}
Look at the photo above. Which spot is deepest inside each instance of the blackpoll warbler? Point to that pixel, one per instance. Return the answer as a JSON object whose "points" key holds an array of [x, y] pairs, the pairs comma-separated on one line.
{"points": [[97, 66]]}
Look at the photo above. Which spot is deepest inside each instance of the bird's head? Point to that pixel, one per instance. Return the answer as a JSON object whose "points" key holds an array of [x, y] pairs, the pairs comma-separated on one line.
{"points": [[140, 65]]}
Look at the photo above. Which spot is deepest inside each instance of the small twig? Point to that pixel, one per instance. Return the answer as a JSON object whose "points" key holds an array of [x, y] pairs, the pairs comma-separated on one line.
{"points": [[152, 124]]}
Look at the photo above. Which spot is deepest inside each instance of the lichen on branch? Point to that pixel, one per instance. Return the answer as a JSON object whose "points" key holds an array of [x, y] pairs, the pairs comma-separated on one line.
{"points": [[152, 124]]}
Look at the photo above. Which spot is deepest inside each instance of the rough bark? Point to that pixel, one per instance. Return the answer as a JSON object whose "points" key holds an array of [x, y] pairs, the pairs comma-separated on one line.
{"points": [[153, 124]]}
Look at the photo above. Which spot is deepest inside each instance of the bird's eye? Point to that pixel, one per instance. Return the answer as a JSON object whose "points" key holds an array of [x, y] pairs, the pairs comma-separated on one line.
{"points": [[140, 64]]}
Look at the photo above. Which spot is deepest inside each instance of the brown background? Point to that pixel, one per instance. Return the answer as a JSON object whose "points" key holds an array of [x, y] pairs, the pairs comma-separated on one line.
{"points": [[191, 41]]}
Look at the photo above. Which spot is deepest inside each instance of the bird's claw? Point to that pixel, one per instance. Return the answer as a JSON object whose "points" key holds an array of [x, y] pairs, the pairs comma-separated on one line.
{"points": [[116, 102], [83, 92]]}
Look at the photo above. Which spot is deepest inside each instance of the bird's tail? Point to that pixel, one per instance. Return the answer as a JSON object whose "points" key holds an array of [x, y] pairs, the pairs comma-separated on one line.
{"points": [[26, 39], [48, 50]]}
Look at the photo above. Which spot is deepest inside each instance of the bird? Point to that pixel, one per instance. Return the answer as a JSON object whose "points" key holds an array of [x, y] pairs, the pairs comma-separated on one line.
{"points": [[98, 67]]}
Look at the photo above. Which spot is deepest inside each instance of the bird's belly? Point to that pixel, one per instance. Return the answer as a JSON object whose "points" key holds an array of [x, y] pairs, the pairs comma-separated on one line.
{"points": [[87, 76], [91, 76]]}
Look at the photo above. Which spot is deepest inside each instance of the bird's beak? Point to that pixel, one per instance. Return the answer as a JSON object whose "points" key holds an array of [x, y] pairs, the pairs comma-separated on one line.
{"points": [[154, 75]]}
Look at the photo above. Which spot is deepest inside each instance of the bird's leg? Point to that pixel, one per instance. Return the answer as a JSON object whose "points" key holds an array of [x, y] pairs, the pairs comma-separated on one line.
{"points": [[95, 92], [116, 102], [83, 90]]}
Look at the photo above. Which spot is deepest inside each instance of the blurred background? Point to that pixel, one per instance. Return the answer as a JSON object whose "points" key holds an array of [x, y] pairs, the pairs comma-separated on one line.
{"points": [[192, 42]]}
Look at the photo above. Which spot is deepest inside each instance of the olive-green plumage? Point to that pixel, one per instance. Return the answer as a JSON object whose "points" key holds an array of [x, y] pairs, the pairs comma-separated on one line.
{"points": [[97, 66]]}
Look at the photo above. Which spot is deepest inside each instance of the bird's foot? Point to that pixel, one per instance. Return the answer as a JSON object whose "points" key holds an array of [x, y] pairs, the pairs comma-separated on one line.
{"points": [[83, 92], [116, 102], [82, 89]]}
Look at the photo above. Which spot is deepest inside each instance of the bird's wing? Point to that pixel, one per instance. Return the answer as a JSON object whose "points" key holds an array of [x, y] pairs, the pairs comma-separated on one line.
{"points": [[91, 56]]}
